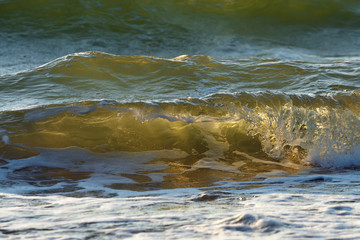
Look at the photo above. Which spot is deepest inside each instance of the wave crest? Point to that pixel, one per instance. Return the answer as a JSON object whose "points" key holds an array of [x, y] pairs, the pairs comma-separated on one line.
{"points": [[296, 129]]}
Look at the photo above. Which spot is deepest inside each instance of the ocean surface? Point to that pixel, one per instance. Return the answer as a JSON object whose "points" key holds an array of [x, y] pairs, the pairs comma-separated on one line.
{"points": [[179, 119]]}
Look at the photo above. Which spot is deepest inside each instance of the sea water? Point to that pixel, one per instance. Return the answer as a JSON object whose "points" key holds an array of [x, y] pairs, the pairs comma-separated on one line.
{"points": [[185, 119]]}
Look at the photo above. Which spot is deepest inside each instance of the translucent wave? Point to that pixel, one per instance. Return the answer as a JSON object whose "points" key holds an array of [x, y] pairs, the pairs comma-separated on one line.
{"points": [[286, 129]]}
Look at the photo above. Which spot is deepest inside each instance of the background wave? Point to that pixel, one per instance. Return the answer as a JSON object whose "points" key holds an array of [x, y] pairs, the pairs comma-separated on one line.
{"points": [[94, 75], [36, 32]]}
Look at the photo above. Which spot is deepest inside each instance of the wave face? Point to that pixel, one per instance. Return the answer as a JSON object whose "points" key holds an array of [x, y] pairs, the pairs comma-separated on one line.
{"points": [[190, 142], [287, 127]]}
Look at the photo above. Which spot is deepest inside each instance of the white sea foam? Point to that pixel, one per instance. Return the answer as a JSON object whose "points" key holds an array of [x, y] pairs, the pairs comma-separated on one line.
{"points": [[334, 160], [296, 207]]}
